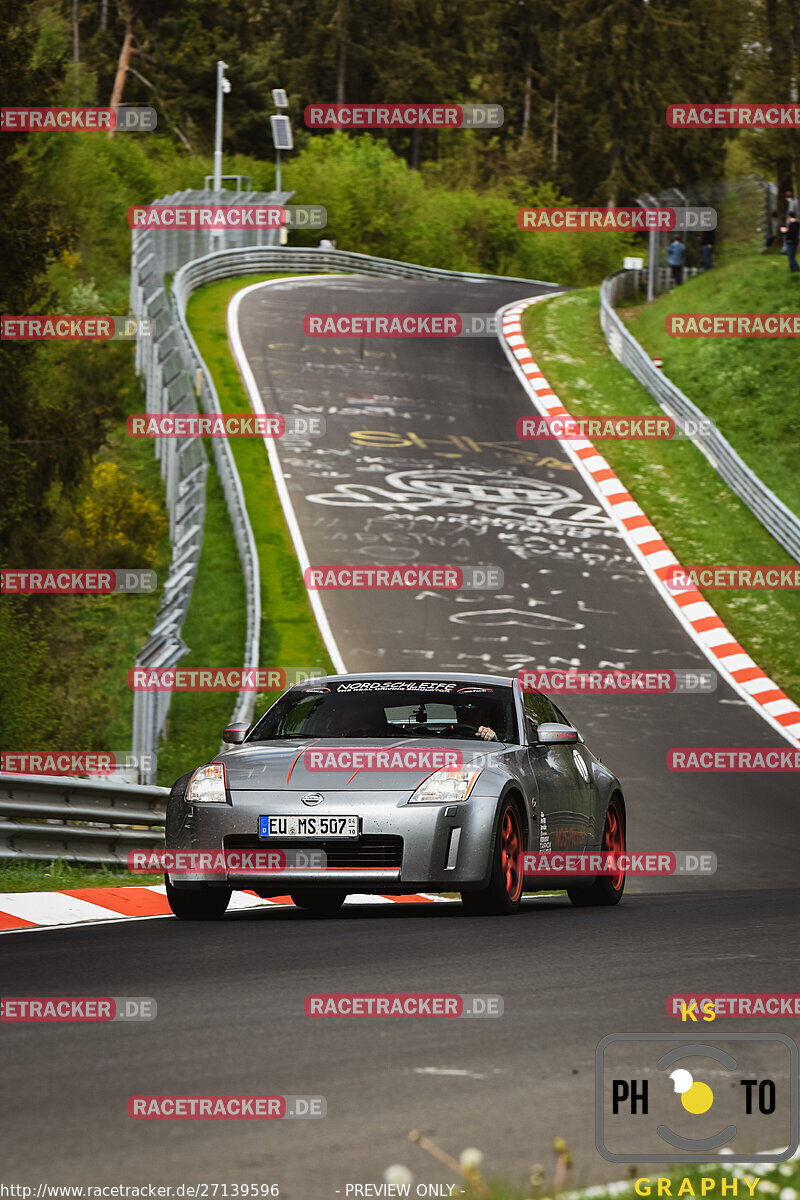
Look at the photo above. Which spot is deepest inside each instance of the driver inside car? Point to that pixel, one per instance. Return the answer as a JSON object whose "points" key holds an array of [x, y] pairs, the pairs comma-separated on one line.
{"points": [[481, 718], [489, 719]]}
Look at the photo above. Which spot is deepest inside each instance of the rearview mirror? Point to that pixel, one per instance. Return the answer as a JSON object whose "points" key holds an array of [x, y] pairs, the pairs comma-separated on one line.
{"points": [[551, 732], [235, 734]]}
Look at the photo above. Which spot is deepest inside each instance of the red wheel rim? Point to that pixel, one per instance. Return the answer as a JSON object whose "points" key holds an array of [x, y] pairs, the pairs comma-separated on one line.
{"points": [[614, 840], [510, 851]]}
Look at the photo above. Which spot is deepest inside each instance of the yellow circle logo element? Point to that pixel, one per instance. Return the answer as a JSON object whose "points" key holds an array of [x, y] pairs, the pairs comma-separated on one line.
{"points": [[698, 1098]]}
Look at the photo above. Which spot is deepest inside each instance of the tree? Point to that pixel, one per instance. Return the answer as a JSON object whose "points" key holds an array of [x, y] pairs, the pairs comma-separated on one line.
{"points": [[771, 73]]}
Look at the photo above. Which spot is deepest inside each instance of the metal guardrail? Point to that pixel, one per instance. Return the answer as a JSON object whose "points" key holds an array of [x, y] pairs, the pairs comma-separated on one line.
{"points": [[81, 821], [175, 375], [777, 519], [183, 286], [312, 259]]}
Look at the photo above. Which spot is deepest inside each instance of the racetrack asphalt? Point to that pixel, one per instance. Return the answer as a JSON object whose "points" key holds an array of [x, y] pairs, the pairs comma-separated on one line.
{"points": [[230, 995]]}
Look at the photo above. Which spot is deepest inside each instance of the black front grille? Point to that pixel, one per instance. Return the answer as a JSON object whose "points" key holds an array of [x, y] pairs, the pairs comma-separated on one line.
{"points": [[371, 850]]}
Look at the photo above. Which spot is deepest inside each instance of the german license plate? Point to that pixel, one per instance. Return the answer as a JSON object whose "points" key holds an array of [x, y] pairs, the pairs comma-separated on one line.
{"points": [[309, 827]]}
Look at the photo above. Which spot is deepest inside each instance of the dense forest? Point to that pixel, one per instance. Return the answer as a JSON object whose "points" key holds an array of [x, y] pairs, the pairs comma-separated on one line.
{"points": [[584, 86]]}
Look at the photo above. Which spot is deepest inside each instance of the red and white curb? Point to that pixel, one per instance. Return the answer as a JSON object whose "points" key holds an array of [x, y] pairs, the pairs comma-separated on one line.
{"points": [[81, 906], [695, 614]]}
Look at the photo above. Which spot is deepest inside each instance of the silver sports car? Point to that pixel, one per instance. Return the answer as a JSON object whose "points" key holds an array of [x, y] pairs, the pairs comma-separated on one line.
{"points": [[404, 782]]}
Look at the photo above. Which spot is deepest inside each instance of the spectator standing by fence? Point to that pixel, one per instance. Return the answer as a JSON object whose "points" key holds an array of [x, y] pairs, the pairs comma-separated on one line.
{"points": [[707, 239], [791, 211], [791, 237], [676, 252]]}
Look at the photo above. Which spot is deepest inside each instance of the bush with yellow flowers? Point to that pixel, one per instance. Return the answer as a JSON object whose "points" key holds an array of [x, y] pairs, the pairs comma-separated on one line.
{"points": [[116, 524]]}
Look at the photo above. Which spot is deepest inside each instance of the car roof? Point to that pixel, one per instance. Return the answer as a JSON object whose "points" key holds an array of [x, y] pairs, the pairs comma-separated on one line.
{"points": [[455, 676]]}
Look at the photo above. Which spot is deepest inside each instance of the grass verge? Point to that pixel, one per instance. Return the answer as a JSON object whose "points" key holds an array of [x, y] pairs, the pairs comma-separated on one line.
{"points": [[749, 387], [214, 631], [699, 517], [31, 876], [289, 635]]}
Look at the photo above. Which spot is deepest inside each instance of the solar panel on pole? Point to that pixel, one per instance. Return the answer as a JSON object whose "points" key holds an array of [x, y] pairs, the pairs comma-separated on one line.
{"points": [[282, 140], [281, 133]]}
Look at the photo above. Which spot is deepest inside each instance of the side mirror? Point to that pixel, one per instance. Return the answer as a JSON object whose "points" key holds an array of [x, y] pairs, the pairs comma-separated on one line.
{"points": [[235, 734], [551, 733]]}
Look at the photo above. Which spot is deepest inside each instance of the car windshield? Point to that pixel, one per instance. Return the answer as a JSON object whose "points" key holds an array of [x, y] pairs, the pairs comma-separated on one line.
{"points": [[390, 708]]}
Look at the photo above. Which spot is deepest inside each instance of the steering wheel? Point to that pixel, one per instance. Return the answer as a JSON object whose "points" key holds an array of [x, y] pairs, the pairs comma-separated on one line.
{"points": [[469, 730]]}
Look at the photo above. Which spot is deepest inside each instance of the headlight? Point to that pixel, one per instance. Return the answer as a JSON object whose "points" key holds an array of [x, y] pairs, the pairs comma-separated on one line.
{"points": [[445, 786], [207, 785]]}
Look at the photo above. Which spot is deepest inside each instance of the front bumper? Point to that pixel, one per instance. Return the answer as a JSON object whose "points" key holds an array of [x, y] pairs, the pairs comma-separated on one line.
{"points": [[403, 847]]}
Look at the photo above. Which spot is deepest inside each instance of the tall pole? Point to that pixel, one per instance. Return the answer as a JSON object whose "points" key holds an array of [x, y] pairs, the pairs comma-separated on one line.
{"points": [[221, 67], [280, 101], [652, 265]]}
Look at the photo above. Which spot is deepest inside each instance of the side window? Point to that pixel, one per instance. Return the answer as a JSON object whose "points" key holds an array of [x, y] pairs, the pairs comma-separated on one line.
{"points": [[538, 709]]}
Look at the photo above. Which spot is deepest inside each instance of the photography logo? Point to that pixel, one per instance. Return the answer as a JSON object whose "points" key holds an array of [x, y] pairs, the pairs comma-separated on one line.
{"points": [[663, 1098]]}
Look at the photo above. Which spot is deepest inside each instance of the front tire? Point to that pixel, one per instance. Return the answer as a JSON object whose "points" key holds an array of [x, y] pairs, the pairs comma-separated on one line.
{"points": [[205, 903], [503, 896], [606, 889], [323, 902]]}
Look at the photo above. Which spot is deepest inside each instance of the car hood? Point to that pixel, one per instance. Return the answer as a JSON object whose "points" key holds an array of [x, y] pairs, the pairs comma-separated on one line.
{"points": [[285, 766]]}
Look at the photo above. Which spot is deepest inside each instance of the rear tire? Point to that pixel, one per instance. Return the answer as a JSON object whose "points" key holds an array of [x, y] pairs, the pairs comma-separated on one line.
{"points": [[504, 894], [606, 889], [205, 903], [323, 902]]}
